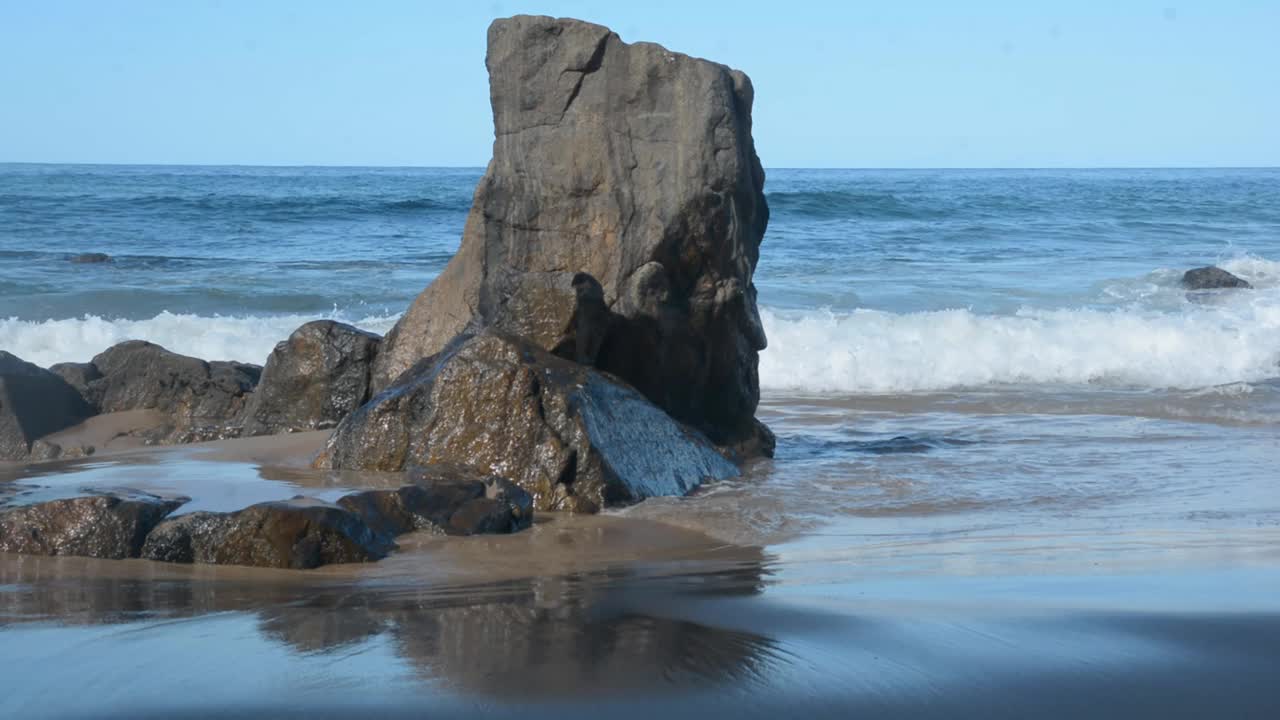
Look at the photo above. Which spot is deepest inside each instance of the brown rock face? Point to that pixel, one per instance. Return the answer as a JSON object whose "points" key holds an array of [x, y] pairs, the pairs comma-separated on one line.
{"points": [[572, 437], [632, 164], [313, 379], [451, 507], [297, 534], [200, 398], [33, 403], [99, 526]]}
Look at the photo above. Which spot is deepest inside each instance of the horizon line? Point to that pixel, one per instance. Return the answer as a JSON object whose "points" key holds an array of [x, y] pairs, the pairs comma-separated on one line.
{"points": [[767, 167]]}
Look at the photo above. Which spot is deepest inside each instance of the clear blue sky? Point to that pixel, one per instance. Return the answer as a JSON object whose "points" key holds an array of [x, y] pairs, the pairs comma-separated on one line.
{"points": [[1000, 83]]}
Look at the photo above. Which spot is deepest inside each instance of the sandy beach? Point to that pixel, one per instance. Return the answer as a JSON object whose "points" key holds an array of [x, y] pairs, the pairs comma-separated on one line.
{"points": [[625, 613]]}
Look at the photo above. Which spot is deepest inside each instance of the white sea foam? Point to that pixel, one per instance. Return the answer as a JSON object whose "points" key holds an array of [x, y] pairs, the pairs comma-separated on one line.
{"points": [[880, 352], [1231, 338], [247, 339]]}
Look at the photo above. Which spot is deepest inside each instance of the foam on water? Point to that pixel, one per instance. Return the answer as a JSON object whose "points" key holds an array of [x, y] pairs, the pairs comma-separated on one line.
{"points": [[246, 339], [1223, 339]]}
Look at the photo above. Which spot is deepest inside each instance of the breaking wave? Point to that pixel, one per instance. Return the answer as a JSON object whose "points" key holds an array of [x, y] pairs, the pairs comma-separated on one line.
{"points": [[246, 338]]}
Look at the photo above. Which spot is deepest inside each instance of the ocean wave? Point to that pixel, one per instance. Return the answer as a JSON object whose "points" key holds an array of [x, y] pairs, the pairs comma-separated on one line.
{"points": [[869, 351], [819, 351], [242, 338]]}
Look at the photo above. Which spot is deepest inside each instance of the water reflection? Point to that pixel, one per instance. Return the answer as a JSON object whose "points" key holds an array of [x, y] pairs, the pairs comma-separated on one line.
{"points": [[599, 631]]}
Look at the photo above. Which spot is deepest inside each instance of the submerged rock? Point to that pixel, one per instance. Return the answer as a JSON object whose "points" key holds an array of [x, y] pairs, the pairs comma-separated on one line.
{"points": [[574, 438], [297, 534], [33, 403], [199, 398], [635, 166], [313, 379], [1212, 278], [469, 507], [99, 526], [89, 258]]}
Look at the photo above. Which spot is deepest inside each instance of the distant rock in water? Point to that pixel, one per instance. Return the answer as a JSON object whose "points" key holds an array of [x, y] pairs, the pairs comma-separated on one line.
{"points": [[313, 379], [633, 165], [574, 438], [199, 398], [1212, 278], [33, 403], [100, 526], [90, 258]]}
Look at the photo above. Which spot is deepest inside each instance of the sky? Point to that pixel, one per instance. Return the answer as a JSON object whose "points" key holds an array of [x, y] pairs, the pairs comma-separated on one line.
{"points": [[979, 83]]}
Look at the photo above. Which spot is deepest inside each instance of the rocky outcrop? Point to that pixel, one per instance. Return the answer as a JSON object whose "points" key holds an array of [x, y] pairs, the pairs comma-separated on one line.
{"points": [[634, 165], [33, 403], [300, 534], [199, 398], [1212, 278], [470, 507], [99, 526], [573, 437], [312, 380]]}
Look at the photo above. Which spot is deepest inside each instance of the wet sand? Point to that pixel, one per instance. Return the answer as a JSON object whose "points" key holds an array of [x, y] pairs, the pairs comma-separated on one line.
{"points": [[718, 604]]}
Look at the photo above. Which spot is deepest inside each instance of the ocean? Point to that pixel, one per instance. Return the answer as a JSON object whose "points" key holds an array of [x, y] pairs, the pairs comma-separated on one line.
{"points": [[1010, 444]]}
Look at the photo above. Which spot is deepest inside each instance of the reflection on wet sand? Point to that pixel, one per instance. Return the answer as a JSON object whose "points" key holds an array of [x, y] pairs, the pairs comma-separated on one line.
{"points": [[604, 630]]}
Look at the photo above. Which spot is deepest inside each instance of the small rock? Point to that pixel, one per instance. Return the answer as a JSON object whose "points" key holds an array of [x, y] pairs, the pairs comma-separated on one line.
{"points": [[312, 380], [201, 398], [98, 526], [45, 449], [452, 507], [297, 534], [1212, 278]]}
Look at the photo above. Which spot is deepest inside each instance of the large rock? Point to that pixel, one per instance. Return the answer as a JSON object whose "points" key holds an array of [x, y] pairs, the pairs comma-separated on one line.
{"points": [[313, 379], [100, 526], [450, 507], [571, 436], [200, 399], [298, 534], [1212, 278], [33, 403], [632, 164]]}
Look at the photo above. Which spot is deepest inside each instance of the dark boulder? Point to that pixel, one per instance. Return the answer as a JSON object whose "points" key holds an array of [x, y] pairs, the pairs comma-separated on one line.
{"points": [[298, 534], [78, 376], [1212, 278], [99, 526], [313, 379], [89, 258], [632, 164], [452, 507], [572, 437], [200, 399], [33, 403]]}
